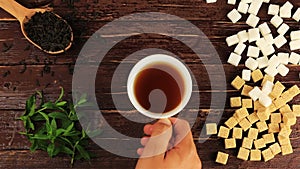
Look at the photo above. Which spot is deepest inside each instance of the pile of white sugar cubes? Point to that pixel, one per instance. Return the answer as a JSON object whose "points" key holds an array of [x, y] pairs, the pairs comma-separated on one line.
{"points": [[263, 117]]}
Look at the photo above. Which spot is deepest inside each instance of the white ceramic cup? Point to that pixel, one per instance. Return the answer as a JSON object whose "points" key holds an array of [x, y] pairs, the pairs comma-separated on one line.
{"points": [[153, 61]]}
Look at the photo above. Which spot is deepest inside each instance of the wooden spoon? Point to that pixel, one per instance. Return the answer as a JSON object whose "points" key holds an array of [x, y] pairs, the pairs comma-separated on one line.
{"points": [[23, 15]]}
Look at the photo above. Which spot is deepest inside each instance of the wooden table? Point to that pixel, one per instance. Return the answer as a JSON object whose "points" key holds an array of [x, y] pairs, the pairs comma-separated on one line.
{"points": [[24, 69]]}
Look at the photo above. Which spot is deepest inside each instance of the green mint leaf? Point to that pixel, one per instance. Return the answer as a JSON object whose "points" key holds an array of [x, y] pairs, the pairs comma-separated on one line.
{"points": [[34, 146], [37, 117], [59, 132], [83, 152], [70, 127], [49, 105], [53, 126], [60, 104], [58, 115], [30, 102], [66, 150], [30, 124], [45, 116], [50, 149], [94, 133], [60, 96], [40, 137]]}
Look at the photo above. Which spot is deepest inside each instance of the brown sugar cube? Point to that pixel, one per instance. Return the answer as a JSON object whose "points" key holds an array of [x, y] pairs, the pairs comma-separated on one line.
{"points": [[275, 118], [279, 102], [263, 114], [238, 83], [269, 138], [245, 124], [255, 155], [289, 119], [230, 143], [247, 142], [287, 96], [286, 149], [275, 148], [247, 103], [223, 132], [231, 122], [285, 130], [294, 90], [252, 117], [259, 143], [241, 113], [278, 88], [267, 154], [222, 158], [211, 128], [283, 140], [267, 78], [296, 110], [237, 133], [272, 108], [257, 105], [253, 133], [243, 154], [262, 126], [257, 75], [235, 102], [246, 90], [285, 109], [273, 128]]}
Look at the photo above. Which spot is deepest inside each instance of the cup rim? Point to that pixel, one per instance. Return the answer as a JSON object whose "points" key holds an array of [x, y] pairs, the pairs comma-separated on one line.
{"points": [[150, 60]]}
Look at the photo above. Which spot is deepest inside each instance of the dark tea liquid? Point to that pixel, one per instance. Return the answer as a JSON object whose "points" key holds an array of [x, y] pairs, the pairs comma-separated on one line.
{"points": [[164, 78]]}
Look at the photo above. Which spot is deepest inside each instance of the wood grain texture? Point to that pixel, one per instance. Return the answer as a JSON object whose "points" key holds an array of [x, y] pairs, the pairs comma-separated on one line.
{"points": [[24, 69]]}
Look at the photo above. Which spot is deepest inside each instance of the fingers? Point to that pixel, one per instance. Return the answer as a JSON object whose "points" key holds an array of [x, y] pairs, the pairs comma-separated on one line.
{"points": [[148, 129], [140, 151], [144, 141]]}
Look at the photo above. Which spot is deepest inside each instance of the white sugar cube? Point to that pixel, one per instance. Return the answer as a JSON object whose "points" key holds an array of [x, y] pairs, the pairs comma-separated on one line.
{"points": [[283, 58], [254, 34], [252, 20], [279, 41], [271, 71], [239, 49], [255, 93], [261, 43], [286, 10], [246, 1], [251, 64], [265, 100], [273, 9], [234, 16], [267, 50], [267, 87], [264, 28], [296, 15], [243, 36], [266, 1], [274, 62], [276, 21], [243, 8], [283, 70], [294, 58], [283, 29], [211, 1], [295, 45], [253, 51], [234, 59], [231, 2], [295, 35], [262, 62], [232, 40], [246, 74], [269, 39], [255, 6]]}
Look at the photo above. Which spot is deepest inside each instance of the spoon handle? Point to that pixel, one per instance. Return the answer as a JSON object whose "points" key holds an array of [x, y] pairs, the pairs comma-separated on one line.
{"points": [[14, 8]]}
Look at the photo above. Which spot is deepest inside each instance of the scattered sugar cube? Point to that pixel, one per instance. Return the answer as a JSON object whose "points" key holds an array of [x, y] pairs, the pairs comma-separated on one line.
{"points": [[253, 51], [267, 154], [285, 11], [277, 90], [267, 78], [283, 58], [263, 114], [262, 126], [286, 96], [272, 71], [255, 155], [275, 118], [255, 93], [253, 118], [247, 143], [262, 62], [274, 61], [255, 6], [285, 109], [257, 106], [246, 90], [286, 149], [232, 40], [243, 36], [269, 39], [252, 20], [283, 70], [264, 29], [289, 119], [276, 21], [284, 140], [267, 49], [231, 122], [296, 15], [279, 102], [238, 83], [243, 154], [251, 64], [245, 124], [253, 133], [265, 100], [267, 87], [279, 41], [234, 16], [295, 45], [253, 34], [296, 110], [259, 143], [230, 143], [285, 131], [222, 158], [231, 2], [246, 1], [241, 113], [235, 101], [211, 128], [239, 49], [223, 132], [257, 75], [283, 29], [211, 1], [294, 58], [269, 138], [234, 59], [273, 9], [243, 8], [275, 148], [273, 128], [294, 91], [246, 74], [295, 35], [237, 133], [247, 103]]}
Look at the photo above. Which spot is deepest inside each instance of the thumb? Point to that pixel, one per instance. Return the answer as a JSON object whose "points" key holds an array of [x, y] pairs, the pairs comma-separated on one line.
{"points": [[159, 140]]}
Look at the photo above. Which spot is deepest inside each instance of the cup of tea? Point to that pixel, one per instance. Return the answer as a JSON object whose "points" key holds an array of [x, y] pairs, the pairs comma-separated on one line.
{"points": [[159, 86]]}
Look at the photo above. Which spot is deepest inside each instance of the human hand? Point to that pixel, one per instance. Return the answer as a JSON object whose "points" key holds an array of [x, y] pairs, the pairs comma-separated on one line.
{"points": [[170, 146]]}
